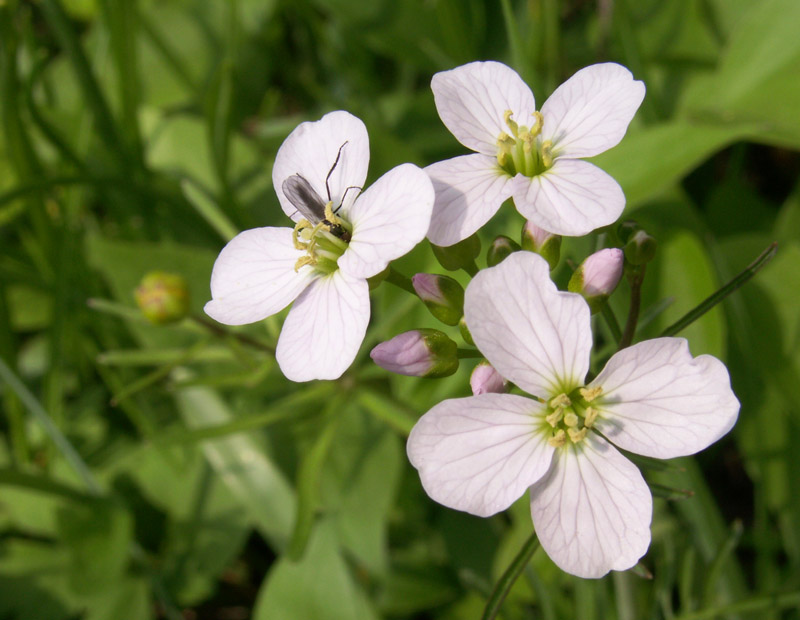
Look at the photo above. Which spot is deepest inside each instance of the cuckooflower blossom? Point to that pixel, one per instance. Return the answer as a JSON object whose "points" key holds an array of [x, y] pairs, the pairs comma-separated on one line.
{"points": [[342, 237], [534, 156], [590, 506]]}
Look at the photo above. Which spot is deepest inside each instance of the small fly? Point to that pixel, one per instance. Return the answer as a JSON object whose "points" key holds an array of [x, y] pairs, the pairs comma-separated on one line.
{"points": [[311, 206]]}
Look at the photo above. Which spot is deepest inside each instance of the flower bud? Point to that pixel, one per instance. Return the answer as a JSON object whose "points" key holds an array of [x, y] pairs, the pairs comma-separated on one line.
{"points": [[442, 295], [626, 229], [545, 244], [598, 276], [459, 255], [640, 248], [163, 297], [418, 353], [501, 247], [486, 379]]}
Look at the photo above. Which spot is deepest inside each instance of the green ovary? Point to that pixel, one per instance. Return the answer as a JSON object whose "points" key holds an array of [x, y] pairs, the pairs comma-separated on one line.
{"points": [[522, 151]]}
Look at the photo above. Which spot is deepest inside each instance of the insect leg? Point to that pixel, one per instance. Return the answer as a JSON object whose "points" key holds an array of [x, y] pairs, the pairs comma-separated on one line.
{"points": [[330, 172]]}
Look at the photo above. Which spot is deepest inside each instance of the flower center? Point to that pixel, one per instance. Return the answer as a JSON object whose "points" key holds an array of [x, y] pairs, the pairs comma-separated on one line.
{"points": [[571, 416], [522, 151], [323, 242]]}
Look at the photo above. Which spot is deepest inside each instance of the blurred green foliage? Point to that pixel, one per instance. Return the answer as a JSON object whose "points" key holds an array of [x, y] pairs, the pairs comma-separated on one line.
{"points": [[197, 482]]}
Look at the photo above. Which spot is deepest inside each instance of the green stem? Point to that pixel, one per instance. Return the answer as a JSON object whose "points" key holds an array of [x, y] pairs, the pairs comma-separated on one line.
{"points": [[770, 602], [611, 320], [222, 332], [471, 269], [706, 305], [512, 32], [635, 278], [400, 281], [506, 581]]}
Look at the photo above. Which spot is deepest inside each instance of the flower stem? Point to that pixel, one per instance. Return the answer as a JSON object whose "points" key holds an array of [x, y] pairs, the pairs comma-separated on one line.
{"points": [[400, 281], [220, 331], [506, 581], [711, 301], [611, 321], [471, 269], [635, 279], [468, 353]]}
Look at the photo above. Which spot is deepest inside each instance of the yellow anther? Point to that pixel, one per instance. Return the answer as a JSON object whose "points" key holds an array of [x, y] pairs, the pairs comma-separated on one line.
{"points": [[591, 416], [570, 419], [299, 229], [537, 124], [303, 261], [562, 400], [589, 394], [547, 153], [576, 435], [555, 417], [511, 124], [559, 439]]}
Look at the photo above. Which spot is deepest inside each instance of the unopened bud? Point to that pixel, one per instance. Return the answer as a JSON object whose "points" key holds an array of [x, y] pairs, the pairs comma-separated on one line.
{"points": [[163, 297], [545, 244], [501, 247], [640, 248], [442, 295], [485, 379], [598, 276], [626, 229], [459, 255], [465, 334], [418, 353]]}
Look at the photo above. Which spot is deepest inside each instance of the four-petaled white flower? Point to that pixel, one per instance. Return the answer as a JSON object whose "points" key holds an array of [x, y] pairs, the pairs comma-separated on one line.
{"points": [[590, 505], [530, 155], [323, 264]]}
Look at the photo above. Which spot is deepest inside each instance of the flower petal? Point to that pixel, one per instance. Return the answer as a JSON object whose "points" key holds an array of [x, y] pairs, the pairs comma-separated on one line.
{"points": [[388, 219], [469, 191], [472, 99], [480, 454], [592, 511], [591, 111], [661, 402], [572, 198], [254, 276], [311, 151], [534, 335], [324, 329]]}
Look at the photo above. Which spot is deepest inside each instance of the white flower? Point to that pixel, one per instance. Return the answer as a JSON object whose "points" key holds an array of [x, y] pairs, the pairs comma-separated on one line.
{"points": [[323, 264], [530, 155], [590, 505]]}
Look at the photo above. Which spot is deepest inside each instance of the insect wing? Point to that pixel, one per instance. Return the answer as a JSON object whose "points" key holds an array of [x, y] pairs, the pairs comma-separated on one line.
{"points": [[300, 193]]}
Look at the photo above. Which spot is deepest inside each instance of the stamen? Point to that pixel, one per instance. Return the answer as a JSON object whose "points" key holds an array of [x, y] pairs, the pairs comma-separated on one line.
{"points": [[570, 419], [559, 439], [591, 416], [547, 153], [555, 417], [576, 435], [562, 400], [511, 124], [589, 394]]}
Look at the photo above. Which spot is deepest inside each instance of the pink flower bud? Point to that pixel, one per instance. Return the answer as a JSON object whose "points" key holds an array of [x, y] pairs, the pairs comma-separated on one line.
{"points": [[442, 295], [418, 353], [544, 243], [598, 276], [486, 379]]}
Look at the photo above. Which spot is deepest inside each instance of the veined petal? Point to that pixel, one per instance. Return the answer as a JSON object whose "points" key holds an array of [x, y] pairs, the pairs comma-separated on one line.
{"points": [[254, 276], [469, 191], [480, 454], [591, 111], [659, 401], [388, 219], [324, 329], [311, 151], [592, 511], [534, 335], [572, 198], [472, 99]]}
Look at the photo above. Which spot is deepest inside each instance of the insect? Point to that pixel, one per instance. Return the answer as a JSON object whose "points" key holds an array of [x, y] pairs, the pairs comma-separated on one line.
{"points": [[311, 206]]}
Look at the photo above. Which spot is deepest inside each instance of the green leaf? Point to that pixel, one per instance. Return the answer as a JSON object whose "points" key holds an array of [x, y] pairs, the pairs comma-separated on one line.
{"points": [[243, 465], [319, 585]]}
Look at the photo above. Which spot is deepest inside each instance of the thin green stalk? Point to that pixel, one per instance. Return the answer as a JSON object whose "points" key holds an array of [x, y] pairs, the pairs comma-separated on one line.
{"points": [[471, 269], [220, 331], [695, 313], [56, 436], [506, 581], [512, 32], [463, 354], [714, 572], [635, 279], [611, 320], [552, 41], [400, 281]]}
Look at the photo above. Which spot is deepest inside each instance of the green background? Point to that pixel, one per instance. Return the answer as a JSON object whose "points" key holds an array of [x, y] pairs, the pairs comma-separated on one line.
{"points": [[153, 471]]}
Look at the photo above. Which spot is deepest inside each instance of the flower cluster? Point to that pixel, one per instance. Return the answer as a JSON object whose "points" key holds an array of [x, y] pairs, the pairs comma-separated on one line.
{"points": [[590, 505]]}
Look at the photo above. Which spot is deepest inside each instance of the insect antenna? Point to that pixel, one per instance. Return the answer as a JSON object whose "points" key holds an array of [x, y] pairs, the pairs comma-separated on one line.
{"points": [[336, 210]]}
